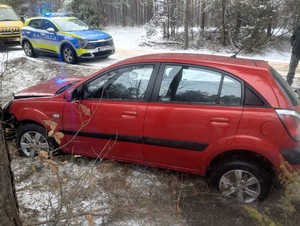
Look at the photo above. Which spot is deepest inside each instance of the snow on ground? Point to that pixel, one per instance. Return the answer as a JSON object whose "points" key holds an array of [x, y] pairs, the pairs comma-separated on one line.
{"points": [[135, 37]]}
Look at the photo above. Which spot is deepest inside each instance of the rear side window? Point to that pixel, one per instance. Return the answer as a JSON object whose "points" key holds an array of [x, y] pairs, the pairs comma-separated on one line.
{"points": [[252, 99], [285, 87], [188, 84]]}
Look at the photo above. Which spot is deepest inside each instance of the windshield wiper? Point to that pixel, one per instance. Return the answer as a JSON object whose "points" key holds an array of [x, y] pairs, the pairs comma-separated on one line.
{"points": [[8, 19]]}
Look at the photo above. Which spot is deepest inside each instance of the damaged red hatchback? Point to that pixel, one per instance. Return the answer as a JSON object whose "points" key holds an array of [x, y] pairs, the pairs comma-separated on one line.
{"points": [[232, 120]]}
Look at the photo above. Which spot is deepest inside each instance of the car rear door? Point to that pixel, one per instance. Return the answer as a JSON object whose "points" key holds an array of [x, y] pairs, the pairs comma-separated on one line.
{"points": [[108, 121], [32, 32], [193, 112]]}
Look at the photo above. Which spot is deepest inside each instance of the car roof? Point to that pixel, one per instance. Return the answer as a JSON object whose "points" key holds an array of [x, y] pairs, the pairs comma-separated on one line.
{"points": [[198, 59], [53, 18]]}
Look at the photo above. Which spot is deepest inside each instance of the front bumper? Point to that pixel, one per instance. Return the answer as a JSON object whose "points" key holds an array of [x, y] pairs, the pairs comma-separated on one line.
{"points": [[8, 121], [103, 51], [10, 41]]}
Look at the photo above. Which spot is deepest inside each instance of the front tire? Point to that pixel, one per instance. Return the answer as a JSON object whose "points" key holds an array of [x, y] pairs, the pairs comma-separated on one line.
{"points": [[32, 139], [69, 55], [245, 181], [28, 49]]}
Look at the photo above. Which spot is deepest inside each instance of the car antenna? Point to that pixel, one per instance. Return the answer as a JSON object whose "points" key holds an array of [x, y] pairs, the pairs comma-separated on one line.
{"points": [[234, 55]]}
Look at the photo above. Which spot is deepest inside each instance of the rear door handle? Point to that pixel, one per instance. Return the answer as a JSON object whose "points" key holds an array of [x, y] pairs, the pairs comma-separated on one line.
{"points": [[129, 113]]}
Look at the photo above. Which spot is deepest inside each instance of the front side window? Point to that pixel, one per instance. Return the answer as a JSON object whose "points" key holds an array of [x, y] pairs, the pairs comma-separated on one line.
{"points": [[128, 83], [197, 85], [36, 23], [48, 24]]}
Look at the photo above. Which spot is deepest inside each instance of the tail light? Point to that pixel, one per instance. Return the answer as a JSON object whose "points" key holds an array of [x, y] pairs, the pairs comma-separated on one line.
{"points": [[291, 121]]}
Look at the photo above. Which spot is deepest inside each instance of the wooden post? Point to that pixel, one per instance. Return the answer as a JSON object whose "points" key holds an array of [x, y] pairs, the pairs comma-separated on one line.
{"points": [[9, 212]]}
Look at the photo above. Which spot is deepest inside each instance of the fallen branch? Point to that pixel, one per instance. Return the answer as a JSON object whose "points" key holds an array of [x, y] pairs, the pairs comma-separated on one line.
{"points": [[92, 213], [165, 43]]}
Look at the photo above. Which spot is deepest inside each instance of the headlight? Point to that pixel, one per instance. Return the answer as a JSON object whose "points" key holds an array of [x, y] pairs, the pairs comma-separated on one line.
{"points": [[82, 43], [6, 104]]}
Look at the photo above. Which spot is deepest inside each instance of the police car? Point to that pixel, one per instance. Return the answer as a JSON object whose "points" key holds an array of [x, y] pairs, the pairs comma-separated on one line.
{"points": [[65, 36]]}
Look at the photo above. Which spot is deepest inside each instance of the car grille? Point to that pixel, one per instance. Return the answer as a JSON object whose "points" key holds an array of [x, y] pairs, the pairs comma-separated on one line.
{"points": [[93, 45], [10, 31]]}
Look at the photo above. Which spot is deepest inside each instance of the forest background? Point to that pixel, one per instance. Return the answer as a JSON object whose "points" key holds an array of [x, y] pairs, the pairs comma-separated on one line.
{"points": [[248, 25]]}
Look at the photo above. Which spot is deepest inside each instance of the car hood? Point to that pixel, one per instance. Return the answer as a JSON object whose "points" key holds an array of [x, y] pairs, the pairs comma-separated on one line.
{"points": [[92, 35], [50, 88]]}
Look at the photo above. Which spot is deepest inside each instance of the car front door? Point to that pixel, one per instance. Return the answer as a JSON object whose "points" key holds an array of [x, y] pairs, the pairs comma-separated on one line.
{"points": [[49, 39], [108, 120], [193, 112]]}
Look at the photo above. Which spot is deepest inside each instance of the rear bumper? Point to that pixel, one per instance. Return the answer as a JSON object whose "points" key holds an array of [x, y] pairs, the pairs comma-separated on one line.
{"points": [[291, 155]]}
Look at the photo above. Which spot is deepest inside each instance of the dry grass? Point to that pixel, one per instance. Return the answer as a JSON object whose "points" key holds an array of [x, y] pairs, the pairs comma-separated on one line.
{"points": [[78, 191]]}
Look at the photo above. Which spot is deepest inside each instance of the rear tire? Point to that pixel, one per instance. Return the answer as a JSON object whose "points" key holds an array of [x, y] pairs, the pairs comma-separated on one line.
{"points": [[28, 49], [32, 138], [69, 55], [246, 181]]}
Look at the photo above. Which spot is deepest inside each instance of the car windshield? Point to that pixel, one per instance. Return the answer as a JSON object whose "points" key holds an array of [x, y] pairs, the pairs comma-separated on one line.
{"points": [[72, 25], [8, 14]]}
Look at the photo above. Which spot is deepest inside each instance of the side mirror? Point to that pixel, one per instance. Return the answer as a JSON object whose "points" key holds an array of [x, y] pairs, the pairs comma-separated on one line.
{"points": [[50, 29], [69, 95], [73, 94], [22, 19]]}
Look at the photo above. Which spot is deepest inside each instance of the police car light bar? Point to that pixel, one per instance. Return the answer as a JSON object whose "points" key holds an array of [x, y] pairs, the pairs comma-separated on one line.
{"points": [[61, 14]]}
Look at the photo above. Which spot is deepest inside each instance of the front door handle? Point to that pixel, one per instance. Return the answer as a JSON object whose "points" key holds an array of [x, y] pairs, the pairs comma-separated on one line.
{"points": [[219, 120]]}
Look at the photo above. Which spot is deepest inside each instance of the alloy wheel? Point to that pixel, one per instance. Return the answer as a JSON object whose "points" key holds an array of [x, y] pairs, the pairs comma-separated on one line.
{"points": [[240, 183], [33, 142]]}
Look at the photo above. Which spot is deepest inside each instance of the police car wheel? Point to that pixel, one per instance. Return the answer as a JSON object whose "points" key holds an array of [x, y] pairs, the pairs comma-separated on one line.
{"points": [[69, 54], [28, 50]]}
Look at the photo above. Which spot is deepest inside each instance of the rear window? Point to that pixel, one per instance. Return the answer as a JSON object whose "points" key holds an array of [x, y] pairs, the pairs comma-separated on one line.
{"points": [[285, 87]]}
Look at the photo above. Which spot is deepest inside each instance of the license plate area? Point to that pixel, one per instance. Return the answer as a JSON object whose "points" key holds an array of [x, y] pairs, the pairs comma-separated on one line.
{"points": [[104, 48]]}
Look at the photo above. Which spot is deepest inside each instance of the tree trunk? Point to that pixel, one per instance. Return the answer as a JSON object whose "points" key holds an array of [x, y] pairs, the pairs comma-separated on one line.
{"points": [[9, 213], [238, 18], [223, 29], [124, 14], [101, 13], [186, 24], [168, 20]]}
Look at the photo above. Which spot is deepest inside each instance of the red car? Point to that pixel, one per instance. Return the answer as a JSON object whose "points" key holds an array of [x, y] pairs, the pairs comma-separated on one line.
{"points": [[232, 120]]}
